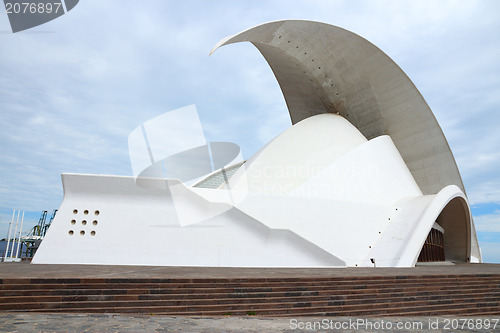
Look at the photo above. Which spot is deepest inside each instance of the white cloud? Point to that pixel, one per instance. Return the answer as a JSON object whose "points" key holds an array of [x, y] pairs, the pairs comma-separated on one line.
{"points": [[488, 223], [486, 191]]}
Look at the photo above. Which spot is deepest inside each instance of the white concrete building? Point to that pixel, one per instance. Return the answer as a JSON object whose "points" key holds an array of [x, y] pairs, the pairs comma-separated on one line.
{"points": [[364, 176]]}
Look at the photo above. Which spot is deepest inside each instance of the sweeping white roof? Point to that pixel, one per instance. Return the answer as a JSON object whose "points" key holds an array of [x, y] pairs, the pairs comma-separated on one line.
{"points": [[361, 177]]}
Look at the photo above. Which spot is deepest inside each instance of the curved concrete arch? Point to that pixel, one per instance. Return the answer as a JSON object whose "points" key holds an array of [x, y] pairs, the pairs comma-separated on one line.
{"points": [[322, 68], [326, 69], [449, 208], [455, 220]]}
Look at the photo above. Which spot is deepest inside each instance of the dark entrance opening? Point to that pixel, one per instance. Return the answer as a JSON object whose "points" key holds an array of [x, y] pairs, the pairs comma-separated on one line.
{"points": [[433, 249]]}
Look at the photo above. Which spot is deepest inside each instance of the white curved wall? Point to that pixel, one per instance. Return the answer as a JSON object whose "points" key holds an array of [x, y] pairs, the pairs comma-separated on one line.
{"points": [[297, 154], [344, 201], [358, 202], [138, 225], [372, 173]]}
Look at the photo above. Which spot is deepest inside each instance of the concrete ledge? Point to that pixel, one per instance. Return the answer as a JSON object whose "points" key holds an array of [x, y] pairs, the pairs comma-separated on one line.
{"points": [[25, 270]]}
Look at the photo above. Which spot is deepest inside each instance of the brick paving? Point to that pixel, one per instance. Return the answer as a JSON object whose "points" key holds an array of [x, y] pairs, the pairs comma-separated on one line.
{"points": [[38, 322]]}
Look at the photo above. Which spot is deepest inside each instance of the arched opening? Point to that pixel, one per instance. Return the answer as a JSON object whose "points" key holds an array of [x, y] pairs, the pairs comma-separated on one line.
{"points": [[455, 238]]}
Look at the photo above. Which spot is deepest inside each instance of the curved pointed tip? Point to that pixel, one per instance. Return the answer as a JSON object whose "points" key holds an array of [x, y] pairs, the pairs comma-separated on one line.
{"points": [[242, 35], [222, 42]]}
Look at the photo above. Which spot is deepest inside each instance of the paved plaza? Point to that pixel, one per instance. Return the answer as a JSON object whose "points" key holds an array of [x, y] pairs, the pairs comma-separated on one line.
{"points": [[37, 322], [25, 270], [24, 322]]}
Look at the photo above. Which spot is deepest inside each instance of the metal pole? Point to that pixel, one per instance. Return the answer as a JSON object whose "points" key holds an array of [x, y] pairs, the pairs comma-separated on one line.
{"points": [[8, 238], [19, 238], [15, 232]]}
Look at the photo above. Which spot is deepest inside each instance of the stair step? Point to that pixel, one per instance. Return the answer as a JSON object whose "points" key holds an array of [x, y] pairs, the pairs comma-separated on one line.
{"points": [[241, 298], [300, 309], [253, 304], [254, 287], [62, 283], [365, 295]]}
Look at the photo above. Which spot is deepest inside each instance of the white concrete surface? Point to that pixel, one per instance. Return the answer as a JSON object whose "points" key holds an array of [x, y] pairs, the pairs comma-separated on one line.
{"points": [[322, 68], [363, 175]]}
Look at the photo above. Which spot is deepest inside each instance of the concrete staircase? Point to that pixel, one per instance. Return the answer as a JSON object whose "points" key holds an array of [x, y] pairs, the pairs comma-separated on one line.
{"points": [[306, 296]]}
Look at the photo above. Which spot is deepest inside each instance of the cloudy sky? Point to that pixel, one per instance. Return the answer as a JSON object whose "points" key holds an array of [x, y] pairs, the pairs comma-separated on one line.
{"points": [[72, 90]]}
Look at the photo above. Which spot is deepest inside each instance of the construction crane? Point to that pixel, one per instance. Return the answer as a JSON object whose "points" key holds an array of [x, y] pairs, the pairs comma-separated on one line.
{"points": [[36, 234]]}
